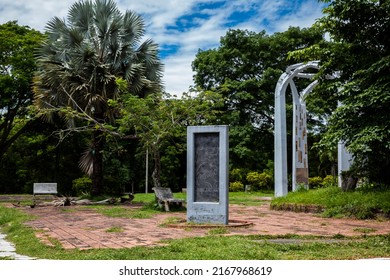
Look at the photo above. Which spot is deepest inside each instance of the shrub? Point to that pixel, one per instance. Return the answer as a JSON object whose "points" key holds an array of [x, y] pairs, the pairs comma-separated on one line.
{"points": [[237, 175], [82, 185], [236, 187], [259, 180], [329, 181], [315, 182]]}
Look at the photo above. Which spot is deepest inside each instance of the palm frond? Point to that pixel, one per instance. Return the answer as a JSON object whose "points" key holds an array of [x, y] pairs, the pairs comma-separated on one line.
{"points": [[86, 161], [55, 28], [81, 15], [134, 28], [82, 58]]}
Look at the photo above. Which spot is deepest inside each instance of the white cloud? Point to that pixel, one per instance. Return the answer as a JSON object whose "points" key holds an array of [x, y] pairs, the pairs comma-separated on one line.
{"points": [[304, 16], [33, 13], [163, 19], [178, 74]]}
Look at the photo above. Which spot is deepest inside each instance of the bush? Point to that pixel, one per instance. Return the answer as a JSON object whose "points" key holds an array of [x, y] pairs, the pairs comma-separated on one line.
{"points": [[237, 175], [259, 180], [236, 187], [315, 182], [82, 185], [329, 181]]}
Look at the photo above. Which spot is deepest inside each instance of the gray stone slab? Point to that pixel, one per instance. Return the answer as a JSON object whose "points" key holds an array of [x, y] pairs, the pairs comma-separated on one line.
{"points": [[207, 174], [207, 167]]}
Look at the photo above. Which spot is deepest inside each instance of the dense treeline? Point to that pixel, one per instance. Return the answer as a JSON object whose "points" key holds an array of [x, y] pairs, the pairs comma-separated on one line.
{"points": [[60, 115]]}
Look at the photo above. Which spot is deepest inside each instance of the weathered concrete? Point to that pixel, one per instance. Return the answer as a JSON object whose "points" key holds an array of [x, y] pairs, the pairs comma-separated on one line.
{"points": [[7, 250], [300, 165], [208, 174]]}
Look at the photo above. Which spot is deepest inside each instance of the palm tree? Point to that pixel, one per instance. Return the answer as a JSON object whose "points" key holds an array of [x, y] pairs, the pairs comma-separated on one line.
{"points": [[81, 62]]}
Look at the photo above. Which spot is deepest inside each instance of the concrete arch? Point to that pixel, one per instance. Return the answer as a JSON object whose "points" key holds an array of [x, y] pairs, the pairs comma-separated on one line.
{"points": [[300, 173]]}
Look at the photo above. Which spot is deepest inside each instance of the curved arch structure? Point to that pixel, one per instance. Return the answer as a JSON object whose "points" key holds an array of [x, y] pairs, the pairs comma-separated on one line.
{"points": [[300, 166]]}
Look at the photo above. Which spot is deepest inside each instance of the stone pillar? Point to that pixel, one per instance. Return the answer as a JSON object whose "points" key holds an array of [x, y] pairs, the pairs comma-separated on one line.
{"points": [[280, 140], [208, 174], [344, 158], [344, 161]]}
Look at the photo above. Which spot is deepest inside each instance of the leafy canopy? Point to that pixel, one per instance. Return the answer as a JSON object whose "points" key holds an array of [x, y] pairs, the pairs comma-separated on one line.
{"points": [[244, 70], [17, 66], [359, 50]]}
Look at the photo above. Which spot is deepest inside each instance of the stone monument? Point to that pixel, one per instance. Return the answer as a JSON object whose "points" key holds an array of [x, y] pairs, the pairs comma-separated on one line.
{"points": [[207, 174], [300, 165]]}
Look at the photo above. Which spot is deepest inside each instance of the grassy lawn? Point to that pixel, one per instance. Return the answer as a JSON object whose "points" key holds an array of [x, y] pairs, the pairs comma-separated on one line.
{"points": [[359, 204], [214, 246]]}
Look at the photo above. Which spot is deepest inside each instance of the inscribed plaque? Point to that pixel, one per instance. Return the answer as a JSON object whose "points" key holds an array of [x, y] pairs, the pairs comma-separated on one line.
{"points": [[206, 167]]}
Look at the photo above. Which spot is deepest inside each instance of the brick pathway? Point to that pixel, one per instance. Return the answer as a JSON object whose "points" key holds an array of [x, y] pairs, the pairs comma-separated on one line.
{"points": [[84, 228]]}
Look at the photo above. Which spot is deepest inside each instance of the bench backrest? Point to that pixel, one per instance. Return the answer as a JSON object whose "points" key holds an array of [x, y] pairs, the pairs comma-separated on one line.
{"points": [[45, 188], [163, 193]]}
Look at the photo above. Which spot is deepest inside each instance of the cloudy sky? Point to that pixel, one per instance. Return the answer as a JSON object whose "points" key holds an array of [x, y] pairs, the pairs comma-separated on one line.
{"points": [[182, 27]]}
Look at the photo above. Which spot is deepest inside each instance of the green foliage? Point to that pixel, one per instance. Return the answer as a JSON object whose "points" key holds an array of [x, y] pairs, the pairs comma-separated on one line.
{"points": [[82, 186], [80, 65], [237, 175], [244, 70], [172, 168], [116, 176], [359, 50], [37, 156], [259, 180], [329, 181], [358, 204], [315, 182], [160, 121], [17, 64], [236, 187]]}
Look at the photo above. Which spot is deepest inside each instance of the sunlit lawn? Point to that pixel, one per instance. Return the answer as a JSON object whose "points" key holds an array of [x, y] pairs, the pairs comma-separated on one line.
{"points": [[213, 246]]}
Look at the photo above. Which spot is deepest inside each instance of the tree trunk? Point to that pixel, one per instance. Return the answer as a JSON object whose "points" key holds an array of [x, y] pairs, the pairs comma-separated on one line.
{"points": [[349, 184], [97, 173], [156, 175]]}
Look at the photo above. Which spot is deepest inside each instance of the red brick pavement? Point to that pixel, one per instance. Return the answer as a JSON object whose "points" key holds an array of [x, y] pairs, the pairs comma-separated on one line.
{"points": [[85, 228]]}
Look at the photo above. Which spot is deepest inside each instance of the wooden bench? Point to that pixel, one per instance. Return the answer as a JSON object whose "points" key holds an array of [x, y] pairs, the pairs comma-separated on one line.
{"points": [[164, 197], [44, 189]]}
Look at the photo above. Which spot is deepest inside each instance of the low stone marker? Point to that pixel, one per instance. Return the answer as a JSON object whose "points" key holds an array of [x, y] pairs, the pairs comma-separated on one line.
{"points": [[207, 174]]}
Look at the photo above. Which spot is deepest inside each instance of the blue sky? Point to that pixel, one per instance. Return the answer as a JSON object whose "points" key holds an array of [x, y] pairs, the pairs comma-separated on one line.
{"points": [[182, 27]]}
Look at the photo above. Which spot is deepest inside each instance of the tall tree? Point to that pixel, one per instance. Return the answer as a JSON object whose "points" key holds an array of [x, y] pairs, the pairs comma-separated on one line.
{"points": [[81, 61], [359, 50], [159, 119], [244, 69], [17, 66]]}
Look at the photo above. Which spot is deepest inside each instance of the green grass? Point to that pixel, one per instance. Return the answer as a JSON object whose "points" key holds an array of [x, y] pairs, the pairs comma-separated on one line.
{"points": [[248, 198], [115, 229], [358, 204], [215, 246]]}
